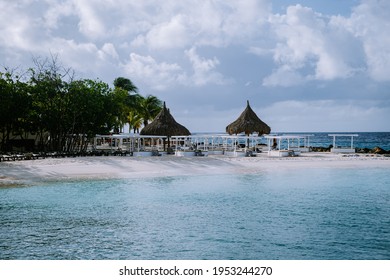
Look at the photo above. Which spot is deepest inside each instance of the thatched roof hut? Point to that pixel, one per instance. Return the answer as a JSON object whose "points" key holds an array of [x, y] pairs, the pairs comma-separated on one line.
{"points": [[165, 125], [248, 122]]}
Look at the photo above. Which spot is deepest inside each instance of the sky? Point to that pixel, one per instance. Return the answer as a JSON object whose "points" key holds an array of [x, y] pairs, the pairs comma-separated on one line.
{"points": [[304, 65]]}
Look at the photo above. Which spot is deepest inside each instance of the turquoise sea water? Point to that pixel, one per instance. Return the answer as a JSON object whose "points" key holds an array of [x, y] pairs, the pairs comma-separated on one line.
{"points": [[287, 214], [368, 140], [364, 140]]}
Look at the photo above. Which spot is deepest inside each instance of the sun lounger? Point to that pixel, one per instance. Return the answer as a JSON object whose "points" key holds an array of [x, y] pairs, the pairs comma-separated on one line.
{"points": [[7, 157]]}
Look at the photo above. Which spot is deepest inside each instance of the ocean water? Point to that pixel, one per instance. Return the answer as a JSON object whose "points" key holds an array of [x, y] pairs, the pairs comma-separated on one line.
{"points": [[286, 214], [368, 140], [364, 140]]}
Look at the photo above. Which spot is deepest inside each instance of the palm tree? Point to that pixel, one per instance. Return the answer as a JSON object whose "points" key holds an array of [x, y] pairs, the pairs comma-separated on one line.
{"points": [[132, 100], [125, 84], [137, 106], [135, 121], [124, 87], [149, 107]]}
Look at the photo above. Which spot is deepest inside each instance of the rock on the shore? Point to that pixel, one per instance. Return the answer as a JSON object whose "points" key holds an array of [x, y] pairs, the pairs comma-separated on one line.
{"points": [[378, 150]]}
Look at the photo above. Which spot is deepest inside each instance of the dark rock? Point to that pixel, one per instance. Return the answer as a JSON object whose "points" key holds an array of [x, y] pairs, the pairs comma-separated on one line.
{"points": [[362, 150], [320, 149], [378, 150]]}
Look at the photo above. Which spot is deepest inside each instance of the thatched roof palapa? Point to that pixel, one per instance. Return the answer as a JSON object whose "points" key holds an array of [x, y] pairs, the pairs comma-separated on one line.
{"points": [[165, 125], [248, 122]]}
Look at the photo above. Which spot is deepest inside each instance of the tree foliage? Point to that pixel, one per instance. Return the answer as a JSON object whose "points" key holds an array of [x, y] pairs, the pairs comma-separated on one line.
{"points": [[15, 105], [149, 107], [63, 113]]}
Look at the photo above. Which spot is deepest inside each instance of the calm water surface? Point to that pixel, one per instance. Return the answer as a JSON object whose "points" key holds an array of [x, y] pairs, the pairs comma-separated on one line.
{"points": [[316, 214]]}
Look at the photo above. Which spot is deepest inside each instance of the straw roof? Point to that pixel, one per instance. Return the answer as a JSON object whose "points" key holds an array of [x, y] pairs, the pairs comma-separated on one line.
{"points": [[165, 125], [248, 122]]}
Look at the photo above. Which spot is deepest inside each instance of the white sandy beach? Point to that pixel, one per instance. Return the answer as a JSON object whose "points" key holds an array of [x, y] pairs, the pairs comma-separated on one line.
{"points": [[52, 169]]}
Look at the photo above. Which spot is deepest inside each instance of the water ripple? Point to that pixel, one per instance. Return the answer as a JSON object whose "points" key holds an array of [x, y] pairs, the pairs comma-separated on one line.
{"points": [[327, 214]]}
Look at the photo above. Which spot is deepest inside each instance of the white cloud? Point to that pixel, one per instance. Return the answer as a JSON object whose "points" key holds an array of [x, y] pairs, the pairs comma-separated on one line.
{"points": [[204, 70], [244, 19], [294, 116], [90, 23], [108, 51], [202, 23], [308, 46], [284, 77], [163, 75], [172, 34], [159, 76], [370, 23], [326, 115], [318, 47], [87, 59], [195, 45], [56, 12], [17, 28]]}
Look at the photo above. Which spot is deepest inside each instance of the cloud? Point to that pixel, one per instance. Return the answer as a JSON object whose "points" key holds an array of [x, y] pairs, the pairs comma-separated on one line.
{"points": [[57, 11], [108, 52], [163, 75], [370, 23], [304, 45], [205, 23], [204, 70], [235, 50], [17, 27], [284, 77], [312, 46], [309, 46], [87, 59], [90, 24], [172, 34], [326, 115], [159, 76], [293, 116]]}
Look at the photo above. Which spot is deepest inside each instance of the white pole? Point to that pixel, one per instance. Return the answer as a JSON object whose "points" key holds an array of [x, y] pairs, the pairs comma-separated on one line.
{"points": [[268, 144]]}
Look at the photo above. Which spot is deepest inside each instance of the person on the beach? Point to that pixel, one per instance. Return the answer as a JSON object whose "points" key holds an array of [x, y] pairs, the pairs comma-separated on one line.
{"points": [[274, 144]]}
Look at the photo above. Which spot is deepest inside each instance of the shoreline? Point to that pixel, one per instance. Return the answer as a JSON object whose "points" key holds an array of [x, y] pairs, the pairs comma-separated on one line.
{"points": [[30, 172]]}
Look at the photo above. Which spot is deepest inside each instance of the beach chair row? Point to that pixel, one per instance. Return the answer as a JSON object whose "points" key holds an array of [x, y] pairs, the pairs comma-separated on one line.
{"points": [[14, 157]]}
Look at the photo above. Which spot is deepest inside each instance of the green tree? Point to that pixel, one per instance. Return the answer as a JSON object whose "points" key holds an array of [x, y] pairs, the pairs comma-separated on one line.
{"points": [[149, 107], [15, 104], [135, 121], [138, 106], [50, 106], [125, 84], [64, 113], [127, 95], [90, 112]]}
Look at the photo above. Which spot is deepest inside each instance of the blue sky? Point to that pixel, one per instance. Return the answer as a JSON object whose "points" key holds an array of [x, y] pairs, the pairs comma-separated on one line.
{"points": [[303, 65]]}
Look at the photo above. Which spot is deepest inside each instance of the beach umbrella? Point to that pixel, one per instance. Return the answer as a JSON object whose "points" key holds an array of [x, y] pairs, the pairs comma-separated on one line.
{"points": [[248, 122], [165, 125]]}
